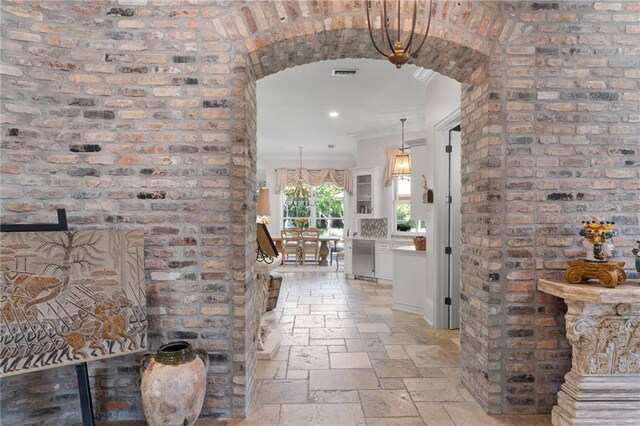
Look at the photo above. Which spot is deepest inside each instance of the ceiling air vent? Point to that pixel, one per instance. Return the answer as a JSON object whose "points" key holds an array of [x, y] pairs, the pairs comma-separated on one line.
{"points": [[343, 72], [424, 75]]}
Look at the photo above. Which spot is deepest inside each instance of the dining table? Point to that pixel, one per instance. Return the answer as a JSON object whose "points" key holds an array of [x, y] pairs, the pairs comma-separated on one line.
{"points": [[323, 252]]}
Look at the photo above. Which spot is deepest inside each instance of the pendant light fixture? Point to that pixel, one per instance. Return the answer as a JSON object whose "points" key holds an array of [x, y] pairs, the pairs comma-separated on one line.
{"points": [[301, 196], [399, 52], [402, 160]]}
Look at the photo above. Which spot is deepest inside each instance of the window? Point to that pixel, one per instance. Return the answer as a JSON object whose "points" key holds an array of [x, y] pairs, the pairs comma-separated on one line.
{"points": [[329, 210], [294, 216], [327, 214], [402, 208]]}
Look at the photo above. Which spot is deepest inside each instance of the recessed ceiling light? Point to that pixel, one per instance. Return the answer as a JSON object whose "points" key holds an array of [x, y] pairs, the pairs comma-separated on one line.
{"points": [[334, 114]]}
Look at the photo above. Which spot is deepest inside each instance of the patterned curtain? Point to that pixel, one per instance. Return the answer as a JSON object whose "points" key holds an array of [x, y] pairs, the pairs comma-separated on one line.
{"points": [[314, 178]]}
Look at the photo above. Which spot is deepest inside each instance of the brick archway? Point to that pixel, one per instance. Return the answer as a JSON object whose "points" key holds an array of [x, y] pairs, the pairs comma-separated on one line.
{"points": [[463, 37]]}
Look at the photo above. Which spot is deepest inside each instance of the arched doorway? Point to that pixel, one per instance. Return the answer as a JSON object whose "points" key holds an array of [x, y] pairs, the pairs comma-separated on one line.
{"points": [[452, 51]]}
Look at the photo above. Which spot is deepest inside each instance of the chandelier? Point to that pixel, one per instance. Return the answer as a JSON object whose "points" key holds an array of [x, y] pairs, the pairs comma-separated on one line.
{"points": [[301, 195], [402, 160], [400, 52]]}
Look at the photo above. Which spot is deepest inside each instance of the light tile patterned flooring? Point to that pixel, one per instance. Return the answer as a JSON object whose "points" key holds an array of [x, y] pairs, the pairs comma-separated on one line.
{"points": [[347, 358]]}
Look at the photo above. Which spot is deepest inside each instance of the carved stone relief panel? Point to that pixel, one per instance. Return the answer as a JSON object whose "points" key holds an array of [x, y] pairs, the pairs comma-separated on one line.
{"points": [[70, 296]]}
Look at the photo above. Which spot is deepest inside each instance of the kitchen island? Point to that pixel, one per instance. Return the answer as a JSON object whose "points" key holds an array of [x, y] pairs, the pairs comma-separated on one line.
{"points": [[409, 282]]}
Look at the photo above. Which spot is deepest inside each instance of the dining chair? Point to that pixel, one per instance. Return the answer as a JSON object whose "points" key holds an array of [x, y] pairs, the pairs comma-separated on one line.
{"points": [[310, 243], [337, 248], [339, 255], [290, 243]]}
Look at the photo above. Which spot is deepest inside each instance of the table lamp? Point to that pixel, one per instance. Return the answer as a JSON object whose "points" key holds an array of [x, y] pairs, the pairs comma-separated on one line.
{"points": [[263, 207]]}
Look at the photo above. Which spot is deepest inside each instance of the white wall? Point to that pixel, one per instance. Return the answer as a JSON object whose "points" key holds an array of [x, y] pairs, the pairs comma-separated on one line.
{"points": [[373, 152], [443, 97]]}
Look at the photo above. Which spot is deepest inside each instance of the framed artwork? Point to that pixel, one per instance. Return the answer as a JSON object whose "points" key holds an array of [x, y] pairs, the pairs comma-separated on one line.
{"points": [[69, 297], [265, 243]]}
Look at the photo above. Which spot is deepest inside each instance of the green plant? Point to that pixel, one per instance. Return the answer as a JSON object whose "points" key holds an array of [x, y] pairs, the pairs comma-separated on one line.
{"points": [[403, 226]]}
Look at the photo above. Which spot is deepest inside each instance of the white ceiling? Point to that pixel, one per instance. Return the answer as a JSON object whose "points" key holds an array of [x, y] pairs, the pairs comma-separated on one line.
{"points": [[293, 108]]}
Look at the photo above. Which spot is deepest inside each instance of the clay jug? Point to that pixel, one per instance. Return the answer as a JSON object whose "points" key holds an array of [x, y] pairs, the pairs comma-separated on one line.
{"points": [[173, 384]]}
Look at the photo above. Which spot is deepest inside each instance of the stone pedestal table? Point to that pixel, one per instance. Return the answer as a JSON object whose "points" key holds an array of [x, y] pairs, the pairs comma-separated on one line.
{"points": [[603, 327]]}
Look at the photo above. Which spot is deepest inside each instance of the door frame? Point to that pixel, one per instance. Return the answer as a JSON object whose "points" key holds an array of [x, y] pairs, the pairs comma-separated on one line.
{"points": [[441, 189]]}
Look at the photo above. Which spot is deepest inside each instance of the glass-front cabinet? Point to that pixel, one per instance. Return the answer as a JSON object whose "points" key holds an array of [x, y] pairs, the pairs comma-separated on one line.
{"points": [[368, 192], [363, 191]]}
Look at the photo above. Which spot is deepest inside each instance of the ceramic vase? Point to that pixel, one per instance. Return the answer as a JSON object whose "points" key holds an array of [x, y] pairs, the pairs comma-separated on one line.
{"points": [[597, 252], [173, 384], [588, 247]]}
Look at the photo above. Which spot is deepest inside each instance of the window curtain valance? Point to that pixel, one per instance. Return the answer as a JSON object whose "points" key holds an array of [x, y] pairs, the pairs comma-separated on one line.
{"points": [[314, 178]]}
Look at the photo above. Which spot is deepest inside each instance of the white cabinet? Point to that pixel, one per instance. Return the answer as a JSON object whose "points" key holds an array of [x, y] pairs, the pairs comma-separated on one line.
{"points": [[348, 256], [384, 261], [410, 283], [368, 192], [384, 258], [371, 258]]}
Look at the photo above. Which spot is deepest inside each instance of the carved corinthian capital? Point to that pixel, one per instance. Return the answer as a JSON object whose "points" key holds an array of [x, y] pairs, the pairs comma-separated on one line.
{"points": [[607, 343]]}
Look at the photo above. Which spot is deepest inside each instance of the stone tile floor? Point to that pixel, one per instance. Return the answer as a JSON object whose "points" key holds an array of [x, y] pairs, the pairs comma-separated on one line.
{"points": [[347, 358]]}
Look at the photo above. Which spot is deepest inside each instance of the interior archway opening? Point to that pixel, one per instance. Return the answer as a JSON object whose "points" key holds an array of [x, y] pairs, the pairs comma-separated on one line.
{"points": [[461, 63]]}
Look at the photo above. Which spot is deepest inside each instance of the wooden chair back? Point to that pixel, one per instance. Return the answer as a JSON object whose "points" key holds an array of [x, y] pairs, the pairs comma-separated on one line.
{"points": [[290, 237], [310, 244], [310, 236]]}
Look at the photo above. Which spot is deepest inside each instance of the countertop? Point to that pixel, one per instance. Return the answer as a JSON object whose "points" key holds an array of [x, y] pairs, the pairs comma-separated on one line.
{"points": [[409, 249], [408, 240]]}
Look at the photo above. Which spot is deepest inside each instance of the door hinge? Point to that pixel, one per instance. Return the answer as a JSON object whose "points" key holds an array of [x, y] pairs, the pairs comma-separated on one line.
{"points": [[448, 149], [448, 199], [447, 301], [447, 250]]}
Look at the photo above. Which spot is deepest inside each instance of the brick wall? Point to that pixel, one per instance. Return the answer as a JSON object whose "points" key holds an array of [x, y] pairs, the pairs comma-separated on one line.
{"points": [[135, 116], [141, 114], [571, 151]]}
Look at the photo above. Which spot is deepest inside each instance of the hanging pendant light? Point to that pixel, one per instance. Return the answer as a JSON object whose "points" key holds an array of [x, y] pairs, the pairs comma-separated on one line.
{"points": [[399, 52], [301, 196], [402, 160]]}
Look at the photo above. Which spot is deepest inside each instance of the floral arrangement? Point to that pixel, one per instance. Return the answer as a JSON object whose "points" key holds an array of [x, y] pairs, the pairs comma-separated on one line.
{"points": [[301, 223], [598, 232]]}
